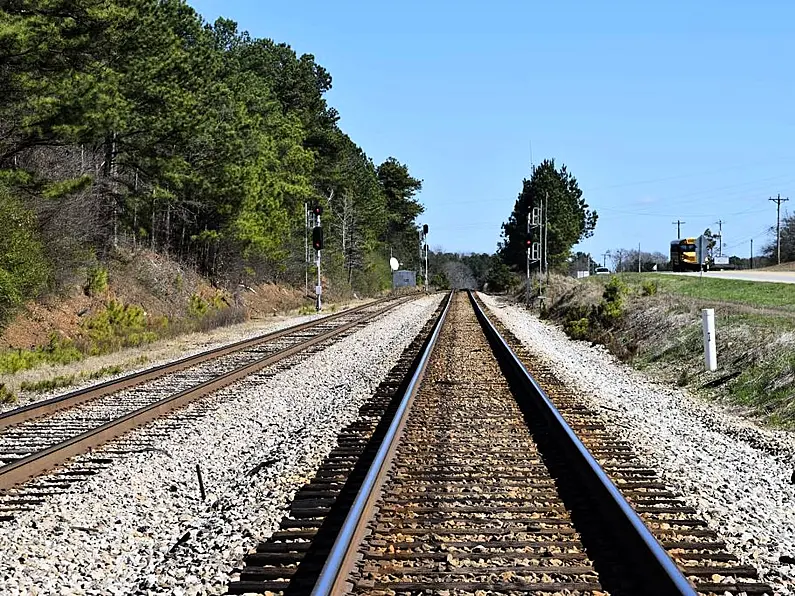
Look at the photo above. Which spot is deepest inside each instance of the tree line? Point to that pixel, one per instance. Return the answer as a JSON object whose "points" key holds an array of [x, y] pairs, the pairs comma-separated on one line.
{"points": [[568, 221], [135, 123]]}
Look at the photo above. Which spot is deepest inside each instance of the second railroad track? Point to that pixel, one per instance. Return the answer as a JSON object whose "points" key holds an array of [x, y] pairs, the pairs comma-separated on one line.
{"points": [[40, 436]]}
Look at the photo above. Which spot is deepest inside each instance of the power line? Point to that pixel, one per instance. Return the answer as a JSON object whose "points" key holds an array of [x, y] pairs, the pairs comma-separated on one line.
{"points": [[748, 187], [718, 194], [693, 215], [762, 232]]}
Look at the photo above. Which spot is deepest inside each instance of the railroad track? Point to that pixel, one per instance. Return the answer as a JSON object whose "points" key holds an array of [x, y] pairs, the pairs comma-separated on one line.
{"points": [[475, 483], [41, 436]]}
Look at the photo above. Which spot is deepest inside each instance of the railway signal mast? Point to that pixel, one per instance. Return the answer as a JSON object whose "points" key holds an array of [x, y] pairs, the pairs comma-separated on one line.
{"points": [[532, 246], [317, 244], [424, 247]]}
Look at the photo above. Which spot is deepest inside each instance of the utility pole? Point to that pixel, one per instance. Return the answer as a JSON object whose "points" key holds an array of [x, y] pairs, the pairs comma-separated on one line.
{"points": [[778, 200], [638, 257], [752, 253], [678, 225], [720, 237], [604, 258]]}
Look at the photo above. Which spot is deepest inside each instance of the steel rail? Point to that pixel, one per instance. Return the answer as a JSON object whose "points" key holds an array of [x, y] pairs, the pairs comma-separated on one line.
{"points": [[635, 540], [342, 556], [74, 398], [37, 463]]}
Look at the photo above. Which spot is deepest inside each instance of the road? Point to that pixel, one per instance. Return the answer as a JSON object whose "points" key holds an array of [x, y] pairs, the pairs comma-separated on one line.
{"points": [[782, 277]]}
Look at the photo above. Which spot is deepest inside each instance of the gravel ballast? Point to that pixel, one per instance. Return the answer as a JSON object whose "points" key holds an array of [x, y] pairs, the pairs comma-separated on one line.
{"points": [[139, 525], [736, 474]]}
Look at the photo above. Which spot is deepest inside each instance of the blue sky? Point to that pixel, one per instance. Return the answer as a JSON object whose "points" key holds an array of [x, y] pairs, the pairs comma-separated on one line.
{"points": [[680, 110]]}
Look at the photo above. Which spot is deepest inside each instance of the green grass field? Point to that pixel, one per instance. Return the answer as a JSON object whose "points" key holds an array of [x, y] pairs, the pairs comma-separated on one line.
{"points": [[777, 296]]}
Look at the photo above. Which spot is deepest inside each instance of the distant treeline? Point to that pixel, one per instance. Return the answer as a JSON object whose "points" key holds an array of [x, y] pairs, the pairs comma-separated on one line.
{"points": [[128, 123]]}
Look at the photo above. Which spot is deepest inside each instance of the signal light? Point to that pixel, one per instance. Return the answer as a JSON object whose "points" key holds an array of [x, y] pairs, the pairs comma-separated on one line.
{"points": [[317, 238], [528, 240], [317, 209], [425, 229]]}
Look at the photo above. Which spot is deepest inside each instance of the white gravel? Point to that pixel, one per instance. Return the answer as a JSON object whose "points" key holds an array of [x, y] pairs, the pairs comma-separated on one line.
{"points": [[116, 533], [737, 475]]}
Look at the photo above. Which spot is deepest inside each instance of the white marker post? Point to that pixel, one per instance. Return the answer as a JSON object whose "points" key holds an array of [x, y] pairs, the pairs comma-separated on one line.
{"points": [[710, 349]]}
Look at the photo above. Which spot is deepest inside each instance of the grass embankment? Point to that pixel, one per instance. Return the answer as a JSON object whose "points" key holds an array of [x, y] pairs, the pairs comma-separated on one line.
{"points": [[115, 327], [654, 322]]}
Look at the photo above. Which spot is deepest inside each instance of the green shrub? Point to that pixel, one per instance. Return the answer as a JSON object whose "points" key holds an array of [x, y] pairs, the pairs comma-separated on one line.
{"points": [[197, 306], [61, 351], [578, 328], [59, 189], [119, 325], [440, 281], [97, 281], [499, 278], [611, 308], [372, 277], [649, 288], [615, 290], [24, 270], [610, 312], [57, 351]]}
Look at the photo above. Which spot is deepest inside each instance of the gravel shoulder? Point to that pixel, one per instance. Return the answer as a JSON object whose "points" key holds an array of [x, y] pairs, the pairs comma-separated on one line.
{"points": [[735, 473], [139, 527]]}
